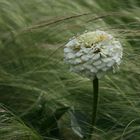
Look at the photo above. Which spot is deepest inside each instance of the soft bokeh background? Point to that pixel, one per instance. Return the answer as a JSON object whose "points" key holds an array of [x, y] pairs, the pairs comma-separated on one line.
{"points": [[39, 97]]}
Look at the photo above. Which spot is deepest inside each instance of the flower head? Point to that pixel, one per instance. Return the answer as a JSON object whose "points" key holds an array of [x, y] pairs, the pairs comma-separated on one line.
{"points": [[93, 53]]}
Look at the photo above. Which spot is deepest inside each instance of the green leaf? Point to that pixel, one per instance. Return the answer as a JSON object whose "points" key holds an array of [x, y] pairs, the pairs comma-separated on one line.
{"points": [[44, 119], [79, 123]]}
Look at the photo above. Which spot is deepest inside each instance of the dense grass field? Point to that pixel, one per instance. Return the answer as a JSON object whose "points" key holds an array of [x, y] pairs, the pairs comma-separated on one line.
{"points": [[40, 98]]}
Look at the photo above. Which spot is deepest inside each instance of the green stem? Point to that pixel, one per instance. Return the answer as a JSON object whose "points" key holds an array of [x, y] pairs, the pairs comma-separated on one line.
{"points": [[95, 83], [95, 100]]}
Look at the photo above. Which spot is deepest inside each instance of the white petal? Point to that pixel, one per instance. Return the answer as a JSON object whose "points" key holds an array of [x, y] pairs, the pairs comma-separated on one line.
{"points": [[106, 59], [78, 68], [78, 60], [111, 63], [78, 54], [105, 68], [93, 70], [101, 66], [103, 55], [87, 66], [118, 61], [67, 50], [72, 43], [97, 63], [71, 61], [85, 58], [96, 56], [70, 55], [89, 56], [106, 51], [86, 50]]}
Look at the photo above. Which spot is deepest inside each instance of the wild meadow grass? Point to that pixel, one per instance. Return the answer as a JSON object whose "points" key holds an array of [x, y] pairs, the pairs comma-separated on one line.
{"points": [[40, 98]]}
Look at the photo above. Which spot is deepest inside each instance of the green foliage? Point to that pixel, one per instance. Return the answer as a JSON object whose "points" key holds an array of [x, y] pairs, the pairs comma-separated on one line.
{"points": [[36, 87], [13, 128]]}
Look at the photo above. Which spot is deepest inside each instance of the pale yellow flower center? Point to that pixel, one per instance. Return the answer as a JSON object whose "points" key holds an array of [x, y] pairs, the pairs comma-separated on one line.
{"points": [[100, 38], [91, 40]]}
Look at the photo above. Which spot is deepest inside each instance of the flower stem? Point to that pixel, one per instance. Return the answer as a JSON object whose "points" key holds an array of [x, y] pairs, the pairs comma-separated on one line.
{"points": [[95, 100], [95, 84]]}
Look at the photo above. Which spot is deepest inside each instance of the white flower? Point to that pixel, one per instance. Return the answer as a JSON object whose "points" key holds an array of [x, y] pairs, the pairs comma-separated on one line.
{"points": [[93, 53]]}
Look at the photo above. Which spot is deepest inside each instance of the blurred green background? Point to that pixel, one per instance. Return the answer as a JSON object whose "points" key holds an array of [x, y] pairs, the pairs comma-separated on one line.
{"points": [[40, 98]]}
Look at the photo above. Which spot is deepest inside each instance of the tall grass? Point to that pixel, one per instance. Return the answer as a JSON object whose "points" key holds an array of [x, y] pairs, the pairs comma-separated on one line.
{"points": [[37, 91]]}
